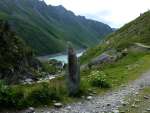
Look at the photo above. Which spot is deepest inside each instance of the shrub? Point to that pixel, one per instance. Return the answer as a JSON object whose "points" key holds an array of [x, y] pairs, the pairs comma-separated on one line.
{"points": [[5, 95], [10, 97], [43, 95], [98, 79], [49, 68]]}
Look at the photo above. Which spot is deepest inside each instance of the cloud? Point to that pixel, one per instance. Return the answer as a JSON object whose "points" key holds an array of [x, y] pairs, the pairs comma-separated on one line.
{"points": [[113, 12]]}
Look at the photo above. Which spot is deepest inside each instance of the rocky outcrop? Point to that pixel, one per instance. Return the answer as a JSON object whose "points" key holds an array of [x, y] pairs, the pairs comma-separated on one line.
{"points": [[108, 56]]}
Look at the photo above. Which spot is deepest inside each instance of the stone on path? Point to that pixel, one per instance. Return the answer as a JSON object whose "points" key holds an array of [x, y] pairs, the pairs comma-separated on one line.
{"points": [[148, 109], [89, 97], [134, 106], [58, 105], [146, 97]]}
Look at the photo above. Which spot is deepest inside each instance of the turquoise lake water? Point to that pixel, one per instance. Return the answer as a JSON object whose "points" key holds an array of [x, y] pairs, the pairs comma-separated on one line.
{"points": [[63, 58]]}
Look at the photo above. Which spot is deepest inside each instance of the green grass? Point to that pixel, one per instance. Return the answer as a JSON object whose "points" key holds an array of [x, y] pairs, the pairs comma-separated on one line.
{"points": [[125, 69], [121, 72], [137, 30], [141, 105]]}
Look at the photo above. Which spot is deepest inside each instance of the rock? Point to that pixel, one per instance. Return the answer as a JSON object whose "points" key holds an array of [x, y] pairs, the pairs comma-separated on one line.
{"points": [[89, 97], [30, 110], [136, 100], [69, 107], [134, 106], [124, 103], [148, 109], [146, 97], [58, 105], [108, 104]]}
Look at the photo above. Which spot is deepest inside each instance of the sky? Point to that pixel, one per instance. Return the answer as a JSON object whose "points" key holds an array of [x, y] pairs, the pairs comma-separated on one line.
{"points": [[115, 13]]}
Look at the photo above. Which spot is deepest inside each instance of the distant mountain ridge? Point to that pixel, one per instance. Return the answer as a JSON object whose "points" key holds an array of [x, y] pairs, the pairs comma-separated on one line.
{"points": [[47, 28]]}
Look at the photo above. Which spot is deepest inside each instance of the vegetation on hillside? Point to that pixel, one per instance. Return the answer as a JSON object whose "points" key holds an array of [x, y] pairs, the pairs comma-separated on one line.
{"points": [[16, 59], [47, 28], [137, 31]]}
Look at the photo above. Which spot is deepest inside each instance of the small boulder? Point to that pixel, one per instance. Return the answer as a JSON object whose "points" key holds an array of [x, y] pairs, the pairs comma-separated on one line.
{"points": [[89, 97], [134, 106], [58, 105], [108, 104], [136, 100], [124, 103], [146, 97], [136, 93], [148, 109], [69, 107]]}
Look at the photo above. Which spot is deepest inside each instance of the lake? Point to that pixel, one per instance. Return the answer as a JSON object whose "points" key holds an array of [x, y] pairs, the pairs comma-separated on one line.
{"points": [[63, 57]]}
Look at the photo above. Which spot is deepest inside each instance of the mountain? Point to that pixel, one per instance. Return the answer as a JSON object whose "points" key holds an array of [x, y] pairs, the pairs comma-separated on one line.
{"points": [[47, 28], [16, 58], [137, 31]]}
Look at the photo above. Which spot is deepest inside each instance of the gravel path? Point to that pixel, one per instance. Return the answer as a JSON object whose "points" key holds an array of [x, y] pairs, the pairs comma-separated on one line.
{"points": [[107, 103]]}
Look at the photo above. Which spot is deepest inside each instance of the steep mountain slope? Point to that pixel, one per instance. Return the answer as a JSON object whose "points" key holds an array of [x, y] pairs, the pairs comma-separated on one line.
{"points": [[47, 28], [137, 31], [16, 59]]}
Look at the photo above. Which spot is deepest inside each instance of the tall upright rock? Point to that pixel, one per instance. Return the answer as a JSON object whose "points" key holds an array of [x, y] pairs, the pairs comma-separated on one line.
{"points": [[73, 74]]}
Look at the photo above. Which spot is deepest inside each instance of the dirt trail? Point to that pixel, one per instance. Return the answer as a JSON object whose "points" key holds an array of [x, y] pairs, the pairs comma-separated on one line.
{"points": [[107, 103]]}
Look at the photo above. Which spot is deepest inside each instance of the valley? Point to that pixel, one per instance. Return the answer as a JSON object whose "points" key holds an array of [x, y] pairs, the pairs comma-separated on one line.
{"points": [[55, 61]]}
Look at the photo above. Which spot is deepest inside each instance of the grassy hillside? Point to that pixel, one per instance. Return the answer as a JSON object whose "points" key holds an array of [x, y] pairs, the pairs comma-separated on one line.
{"points": [[47, 28], [137, 31]]}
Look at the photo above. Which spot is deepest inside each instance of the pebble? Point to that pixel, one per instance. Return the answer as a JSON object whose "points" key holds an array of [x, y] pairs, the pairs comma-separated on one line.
{"points": [[148, 109], [58, 105], [68, 107], [134, 106], [136, 93], [108, 104], [146, 97], [124, 103], [89, 97], [136, 100]]}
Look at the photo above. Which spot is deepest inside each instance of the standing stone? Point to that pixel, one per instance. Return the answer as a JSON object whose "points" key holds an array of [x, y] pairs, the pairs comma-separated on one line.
{"points": [[73, 72]]}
